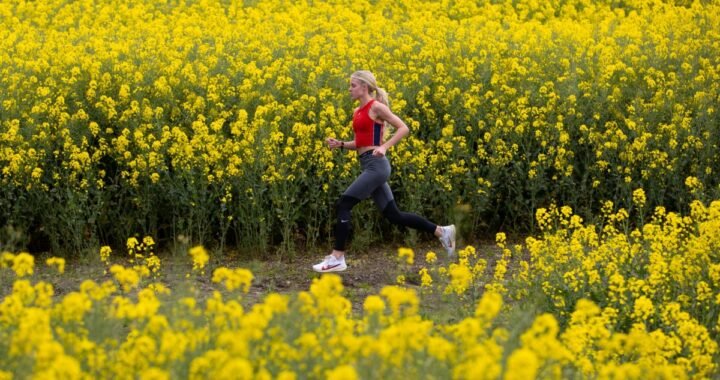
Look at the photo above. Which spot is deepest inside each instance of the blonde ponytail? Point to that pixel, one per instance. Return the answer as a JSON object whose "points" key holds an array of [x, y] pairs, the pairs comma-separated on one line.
{"points": [[382, 96]]}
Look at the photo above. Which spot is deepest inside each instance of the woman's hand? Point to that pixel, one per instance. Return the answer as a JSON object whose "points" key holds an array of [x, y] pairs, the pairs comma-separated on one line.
{"points": [[333, 143], [380, 151]]}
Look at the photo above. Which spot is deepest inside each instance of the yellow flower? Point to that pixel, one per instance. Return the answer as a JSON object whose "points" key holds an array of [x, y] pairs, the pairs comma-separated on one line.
{"points": [[440, 348], [343, 372], [233, 278], [127, 277], [154, 374], [430, 257], [37, 173], [57, 262], [235, 368], [153, 264], [132, 243], [639, 198], [325, 297], [286, 375], [277, 303], [500, 238], [489, 306], [199, 257], [460, 279], [44, 293], [23, 264], [407, 254], [373, 304], [148, 241], [425, 278], [522, 364], [60, 366], [643, 309], [693, 183], [467, 253], [6, 260], [105, 252], [73, 307], [402, 301]]}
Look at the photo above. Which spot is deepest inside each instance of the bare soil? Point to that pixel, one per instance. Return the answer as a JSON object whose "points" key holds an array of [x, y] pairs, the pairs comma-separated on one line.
{"points": [[367, 272]]}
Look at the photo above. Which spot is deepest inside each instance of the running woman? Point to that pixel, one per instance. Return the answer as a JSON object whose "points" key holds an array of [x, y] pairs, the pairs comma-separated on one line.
{"points": [[369, 120]]}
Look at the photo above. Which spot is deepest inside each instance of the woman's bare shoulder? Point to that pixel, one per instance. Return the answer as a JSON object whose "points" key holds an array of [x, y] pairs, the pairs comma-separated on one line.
{"points": [[380, 109]]}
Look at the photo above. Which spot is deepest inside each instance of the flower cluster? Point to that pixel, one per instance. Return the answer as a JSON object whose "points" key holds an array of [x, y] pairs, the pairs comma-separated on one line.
{"points": [[657, 286]]}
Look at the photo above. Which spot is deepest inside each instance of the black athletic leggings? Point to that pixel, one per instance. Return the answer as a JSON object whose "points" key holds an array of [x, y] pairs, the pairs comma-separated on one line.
{"points": [[373, 182]]}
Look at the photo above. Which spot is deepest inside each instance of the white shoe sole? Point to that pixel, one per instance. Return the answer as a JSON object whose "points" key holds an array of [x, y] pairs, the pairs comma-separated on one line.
{"points": [[339, 268], [451, 251]]}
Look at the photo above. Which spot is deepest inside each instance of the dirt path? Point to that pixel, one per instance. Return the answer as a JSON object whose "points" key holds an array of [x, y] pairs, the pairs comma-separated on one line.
{"points": [[367, 272]]}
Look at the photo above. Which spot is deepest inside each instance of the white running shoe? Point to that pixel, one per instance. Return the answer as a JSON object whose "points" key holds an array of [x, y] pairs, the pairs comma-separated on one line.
{"points": [[331, 264], [448, 239]]}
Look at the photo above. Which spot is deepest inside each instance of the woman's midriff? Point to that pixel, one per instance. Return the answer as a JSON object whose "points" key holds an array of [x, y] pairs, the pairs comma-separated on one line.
{"points": [[365, 149]]}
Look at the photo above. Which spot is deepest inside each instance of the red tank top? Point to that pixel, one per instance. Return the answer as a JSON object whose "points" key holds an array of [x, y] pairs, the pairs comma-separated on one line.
{"points": [[368, 132]]}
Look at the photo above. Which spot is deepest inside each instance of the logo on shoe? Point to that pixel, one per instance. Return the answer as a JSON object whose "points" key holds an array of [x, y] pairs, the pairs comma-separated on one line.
{"points": [[328, 267]]}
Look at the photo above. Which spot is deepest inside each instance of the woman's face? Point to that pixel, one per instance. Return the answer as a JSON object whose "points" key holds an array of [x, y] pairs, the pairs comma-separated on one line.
{"points": [[357, 88]]}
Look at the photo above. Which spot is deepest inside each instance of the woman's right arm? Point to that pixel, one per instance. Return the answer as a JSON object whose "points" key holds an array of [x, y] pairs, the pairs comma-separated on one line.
{"points": [[337, 144], [349, 145]]}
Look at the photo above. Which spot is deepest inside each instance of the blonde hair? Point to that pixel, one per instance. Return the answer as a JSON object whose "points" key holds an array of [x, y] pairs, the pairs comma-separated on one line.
{"points": [[376, 92]]}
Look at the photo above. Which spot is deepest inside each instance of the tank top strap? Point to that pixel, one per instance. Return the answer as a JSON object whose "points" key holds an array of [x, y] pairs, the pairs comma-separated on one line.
{"points": [[367, 106]]}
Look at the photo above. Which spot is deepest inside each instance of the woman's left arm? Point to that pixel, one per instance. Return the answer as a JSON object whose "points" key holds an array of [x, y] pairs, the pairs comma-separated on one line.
{"points": [[401, 129]]}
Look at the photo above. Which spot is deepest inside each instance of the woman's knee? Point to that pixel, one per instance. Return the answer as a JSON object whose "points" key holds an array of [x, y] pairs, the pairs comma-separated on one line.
{"points": [[344, 205], [392, 213]]}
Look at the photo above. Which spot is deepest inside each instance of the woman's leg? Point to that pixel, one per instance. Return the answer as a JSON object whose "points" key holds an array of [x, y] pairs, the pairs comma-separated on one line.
{"points": [[335, 261], [385, 201], [408, 219], [374, 174], [343, 225]]}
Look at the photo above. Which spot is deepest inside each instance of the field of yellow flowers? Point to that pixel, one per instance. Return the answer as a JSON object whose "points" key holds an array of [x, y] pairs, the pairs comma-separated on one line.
{"points": [[576, 301], [207, 118], [590, 124]]}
